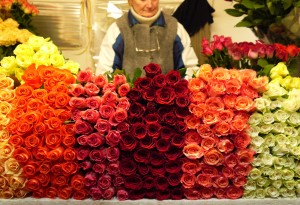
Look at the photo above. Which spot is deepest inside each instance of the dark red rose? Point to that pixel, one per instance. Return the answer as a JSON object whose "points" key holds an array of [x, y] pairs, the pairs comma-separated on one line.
{"points": [[128, 142], [173, 153], [128, 167], [159, 81], [147, 142], [134, 95], [165, 95], [90, 179], [82, 127], [207, 169], [148, 182], [173, 166], [95, 140], [156, 158], [137, 194], [177, 140], [98, 155], [85, 165], [176, 194], [134, 182], [192, 194], [104, 181], [182, 101], [151, 107], [153, 129], [162, 145], [143, 169], [174, 178], [82, 140], [143, 83], [95, 193], [158, 170], [149, 94], [152, 118], [99, 168], [150, 193], [181, 126], [113, 138], [113, 168], [181, 88], [161, 183], [166, 132], [152, 69], [163, 194], [136, 109], [123, 127], [82, 153], [141, 155], [118, 181], [102, 126], [113, 154], [170, 118], [173, 77], [80, 194], [182, 112], [139, 130], [122, 195]]}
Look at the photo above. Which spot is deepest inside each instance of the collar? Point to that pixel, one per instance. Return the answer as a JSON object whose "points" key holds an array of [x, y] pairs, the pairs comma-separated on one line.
{"points": [[159, 22]]}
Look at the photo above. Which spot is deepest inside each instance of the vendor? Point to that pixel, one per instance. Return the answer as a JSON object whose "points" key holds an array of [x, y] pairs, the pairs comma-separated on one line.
{"points": [[143, 35]]}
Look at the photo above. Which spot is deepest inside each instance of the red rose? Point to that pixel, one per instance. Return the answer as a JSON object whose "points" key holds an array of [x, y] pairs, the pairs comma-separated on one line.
{"points": [[95, 193], [134, 182], [128, 167], [241, 140], [113, 154], [123, 127], [141, 155], [30, 169], [206, 193], [219, 193], [152, 69], [82, 127], [90, 115], [220, 181], [33, 184], [99, 168], [136, 109], [85, 165], [51, 192], [170, 118], [59, 180], [90, 179], [104, 181], [204, 180], [118, 181], [174, 178], [239, 181], [231, 160], [228, 172], [242, 170], [173, 77], [57, 169], [122, 195], [181, 88], [98, 155], [149, 95], [119, 116], [177, 140], [99, 80], [207, 169], [102, 126], [143, 169], [139, 194], [156, 158], [134, 95], [95, 140], [128, 142], [192, 194], [245, 156], [94, 102], [181, 127], [162, 145], [80, 194], [113, 138], [139, 130], [143, 83], [166, 132], [85, 75], [158, 170], [173, 153], [182, 101], [44, 167], [233, 192], [113, 168], [82, 153], [153, 129], [165, 95], [163, 194]]}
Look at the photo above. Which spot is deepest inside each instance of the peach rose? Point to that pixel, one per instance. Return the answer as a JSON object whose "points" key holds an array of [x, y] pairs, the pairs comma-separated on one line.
{"points": [[244, 103], [220, 74], [205, 72], [196, 84], [6, 82], [193, 151], [204, 180], [191, 136], [198, 97], [247, 75], [213, 157], [221, 128], [260, 84], [188, 180], [12, 167], [216, 88], [6, 150], [198, 109], [192, 122], [7, 95], [204, 130], [214, 103], [208, 143], [210, 117], [233, 86]]}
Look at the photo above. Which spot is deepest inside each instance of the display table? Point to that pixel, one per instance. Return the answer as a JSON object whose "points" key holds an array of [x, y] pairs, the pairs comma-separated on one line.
{"points": [[30, 201]]}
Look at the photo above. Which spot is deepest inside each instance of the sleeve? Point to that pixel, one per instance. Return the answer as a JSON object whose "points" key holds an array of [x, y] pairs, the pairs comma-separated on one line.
{"points": [[111, 51], [184, 54]]}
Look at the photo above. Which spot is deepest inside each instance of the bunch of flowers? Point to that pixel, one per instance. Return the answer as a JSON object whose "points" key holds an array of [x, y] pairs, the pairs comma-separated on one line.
{"points": [[11, 178], [99, 109], [218, 159], [15, 24], [152, 148], [275, 138], [222, 52], [43, 143], [39, 51]]}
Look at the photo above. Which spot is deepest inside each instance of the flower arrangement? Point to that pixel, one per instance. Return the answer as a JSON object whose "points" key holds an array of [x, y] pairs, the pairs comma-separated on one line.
{"points": [[15, 24], [261, 57], [274, 130]]}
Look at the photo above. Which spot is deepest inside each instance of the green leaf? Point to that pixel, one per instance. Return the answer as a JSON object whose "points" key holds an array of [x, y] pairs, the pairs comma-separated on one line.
{"points": [[262, 62], [137, 73], [182, 72], [297, 4], [286, 4], [253, 5], [244, 24], [266, 70], [234, 12]]}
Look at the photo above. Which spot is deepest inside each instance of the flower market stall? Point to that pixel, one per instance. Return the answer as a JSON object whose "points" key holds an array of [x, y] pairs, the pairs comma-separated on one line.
{"points": [[230, 134]]}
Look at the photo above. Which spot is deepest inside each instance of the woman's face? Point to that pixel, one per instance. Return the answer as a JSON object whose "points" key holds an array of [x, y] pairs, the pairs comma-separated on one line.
{"points": [[145, 8]]}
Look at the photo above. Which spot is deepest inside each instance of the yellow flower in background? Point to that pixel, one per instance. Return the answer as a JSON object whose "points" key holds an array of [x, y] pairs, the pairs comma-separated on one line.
{"points": [[295, 82], [18, 73], [49, 48], [41, 58], [71, 66], [286, 82], [8, 62], [24, 61], [276, 80], [57, 60], [37, 41], [24, 49], [279, 70]]}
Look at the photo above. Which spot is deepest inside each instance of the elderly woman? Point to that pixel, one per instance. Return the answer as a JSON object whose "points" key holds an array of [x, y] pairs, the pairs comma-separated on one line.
{"points": [[143, 35]]}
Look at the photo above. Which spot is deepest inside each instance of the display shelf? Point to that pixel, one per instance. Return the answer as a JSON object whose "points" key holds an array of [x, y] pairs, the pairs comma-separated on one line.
{"points": [[31, 201]]}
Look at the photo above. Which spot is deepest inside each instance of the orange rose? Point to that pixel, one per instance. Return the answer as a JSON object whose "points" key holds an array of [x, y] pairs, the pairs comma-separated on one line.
{"points": [[67, 129], [47, 111], [247, 75], [69, 168], [249, 91], [235, 74], [226, 115], [243, 170], [205, 72], [228, 172], [50, 83], [80, 194], [7, 95], [193, 151], [229, 101], [16, 140], [225, 145], [23, 127], [20, 193], [39, 93], [260, 84], [214, 103], [188, 180], [191, 167], [39, 127], [61, 87], [45, 167], [6, 82], [69, 154], [30, 169], [44, 179], [196, 84], [241, 140], [233, 86], [213, 157], [216, 88], [24, 91], [192, 122], [40, 153], [204, 130], [16, 114], [220, 74], [59, 180], [55, 154], [31, 77], [53, 123], [208, 143], [62, 114], [65, 192], [63, 75], [32, 117], [191, 136], [210, 117], [198, 109], [198, 97], [238, 125], [32, 141], [51, 192], [244, 103], [245, 156], [50, 98], [53, 139], [221, 128], [34, 104], [62, 100], [33, 184], [77, 182], [204, 180], [45, 71], [7, 194], [21, 102], [69, 140]]}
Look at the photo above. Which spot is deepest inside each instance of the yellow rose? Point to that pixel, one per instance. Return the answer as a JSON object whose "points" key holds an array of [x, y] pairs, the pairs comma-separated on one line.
{"points": [[4, 136], [276, 80], [3, 183], [41, 58], [20, 193], [7, 194], [3, 122], [6, 82], [24, 60], [1, 169], [12, 167], [36, 42], [49, 48], [286, 82], [16, 182], [6, 150], [204, 69], [24, 49], [57, 60], [7, 95], [279, 70], [295, 83], [19, 73], [9, 62], [72, 66]]}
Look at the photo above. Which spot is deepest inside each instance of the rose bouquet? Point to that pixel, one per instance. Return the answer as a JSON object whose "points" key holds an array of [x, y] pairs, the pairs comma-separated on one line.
{"points": [[222, 52], [11, 178], [151, 150], [99, 110], [43, 143], [39, 51], [218, 158], [275, 138]]}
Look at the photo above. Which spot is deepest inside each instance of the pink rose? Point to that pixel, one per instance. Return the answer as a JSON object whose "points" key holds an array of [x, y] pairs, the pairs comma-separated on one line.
{"points": [[96, 193], [106, 111], [95, 140], [110, 96], [108, 193], [113, 168], [98, 155], [90, 179], [102, 126], [119, 80], [82, 127], [85, 76], [100, 80], [109, 87], [82, 153], [124, 89], [76, 90], [77, 102], [123, 103], [113, 138], [91, 89], [90, 115], [99, 168], [104, 181], [94, 102], [122, 195]]}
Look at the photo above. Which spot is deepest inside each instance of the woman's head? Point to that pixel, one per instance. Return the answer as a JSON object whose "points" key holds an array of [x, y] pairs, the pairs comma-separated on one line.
{"points": [[145, 8]]}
